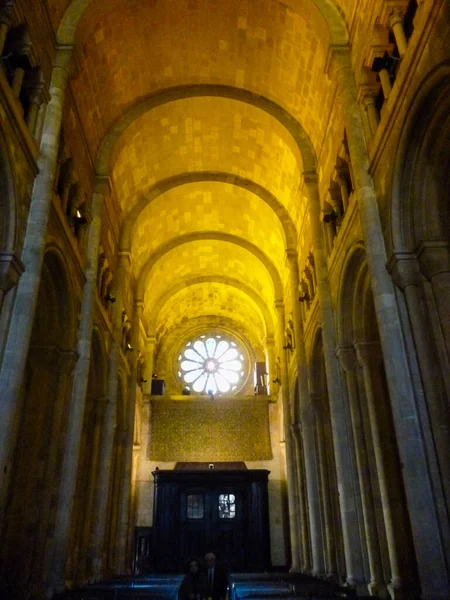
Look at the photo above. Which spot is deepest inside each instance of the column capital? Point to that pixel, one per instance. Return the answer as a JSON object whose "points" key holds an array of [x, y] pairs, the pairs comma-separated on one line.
{"points": [[292, 257], [338, 58], [310, 178], [151, 340], [124, 256], [367, 93], [269, 341], [392, 9], [404, 269], [434, 257], [64, 57], [102, 185], [11, 268], [368, 353], [395, 17], [346, 356], [279, 305]]}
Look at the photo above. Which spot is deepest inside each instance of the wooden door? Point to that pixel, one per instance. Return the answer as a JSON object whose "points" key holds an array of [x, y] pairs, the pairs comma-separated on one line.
{"points": [[214, 520]]}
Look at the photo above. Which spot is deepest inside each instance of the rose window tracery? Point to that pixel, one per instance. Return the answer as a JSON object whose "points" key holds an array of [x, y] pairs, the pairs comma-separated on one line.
{"points": [[211, 364]]}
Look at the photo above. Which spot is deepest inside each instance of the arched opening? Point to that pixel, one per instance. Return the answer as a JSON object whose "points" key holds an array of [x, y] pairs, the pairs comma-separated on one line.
{"points": [[421, 239], [386, 535], [333, 548], [41, 430], [86, 495]]}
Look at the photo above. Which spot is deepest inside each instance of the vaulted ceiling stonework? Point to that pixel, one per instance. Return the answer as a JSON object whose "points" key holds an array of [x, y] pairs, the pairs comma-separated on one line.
{"points": [[181, 177]]}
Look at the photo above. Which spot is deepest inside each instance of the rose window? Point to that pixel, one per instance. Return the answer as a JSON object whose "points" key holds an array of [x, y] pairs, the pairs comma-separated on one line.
{"points": [[212, 365]]}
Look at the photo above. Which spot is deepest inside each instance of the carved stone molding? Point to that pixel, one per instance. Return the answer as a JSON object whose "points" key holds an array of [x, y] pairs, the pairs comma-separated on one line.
{"points": [[434, 257], [404, 269], [11, 268], [346, 356], [368, 353]]}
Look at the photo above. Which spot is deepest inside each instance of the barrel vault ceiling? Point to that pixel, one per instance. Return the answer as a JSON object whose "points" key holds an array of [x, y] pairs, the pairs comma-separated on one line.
{"points": [[205, 114]]}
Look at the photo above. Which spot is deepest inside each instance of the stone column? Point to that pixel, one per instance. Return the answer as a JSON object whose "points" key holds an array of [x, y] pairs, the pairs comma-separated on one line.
{"points": [[149, 364], [343, 186], [77, 405], [270, 350], [345, 475], [290, 463], [347, 359], [125, 499], [428, 540], [84, 569], [323, 464], [17, 344], [405, 271], [312, 485], [396, 24], [395, 520], [370, 107], [296, 429], [99, 534]]}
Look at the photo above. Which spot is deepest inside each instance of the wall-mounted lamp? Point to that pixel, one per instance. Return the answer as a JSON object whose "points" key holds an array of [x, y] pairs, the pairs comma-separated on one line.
{"points": [[387, 62], [129, 347], [142, 380], [288, 346], [78, 219], [276, 380], [329, 217], [110, 298], [304, 297]]}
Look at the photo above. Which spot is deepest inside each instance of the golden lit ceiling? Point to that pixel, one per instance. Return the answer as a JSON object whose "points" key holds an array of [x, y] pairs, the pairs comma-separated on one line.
{"points": [[205, 114]]}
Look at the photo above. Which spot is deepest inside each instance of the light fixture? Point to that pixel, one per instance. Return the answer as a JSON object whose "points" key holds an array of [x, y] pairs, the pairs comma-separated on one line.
{"points": [[79, 219], [288, 346], [129, 347], [276, 380], [110, 298], [304, 297], [387, 62], [329, 217], [142, 380]]}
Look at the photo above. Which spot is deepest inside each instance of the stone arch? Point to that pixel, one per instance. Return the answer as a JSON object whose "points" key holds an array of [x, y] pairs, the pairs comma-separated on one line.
{"points": [[42, 426], [209, 235], [420, 208], [327, 8], [228, 178], [201, 90], [186, 282], [350, 271], [420, 234]]}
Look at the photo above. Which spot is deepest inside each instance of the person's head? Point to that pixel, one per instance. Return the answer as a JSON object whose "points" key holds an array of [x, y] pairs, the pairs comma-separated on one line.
{"points": [[210, 560], [194, 566]]}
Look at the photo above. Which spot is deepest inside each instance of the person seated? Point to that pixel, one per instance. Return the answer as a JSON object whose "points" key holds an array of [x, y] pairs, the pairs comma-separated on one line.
{"points": [[194, 584], [217, 578]]}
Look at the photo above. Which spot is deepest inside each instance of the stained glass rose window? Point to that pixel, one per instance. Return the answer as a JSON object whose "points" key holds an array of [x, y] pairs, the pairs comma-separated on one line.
{"points": [[211, 364]]}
